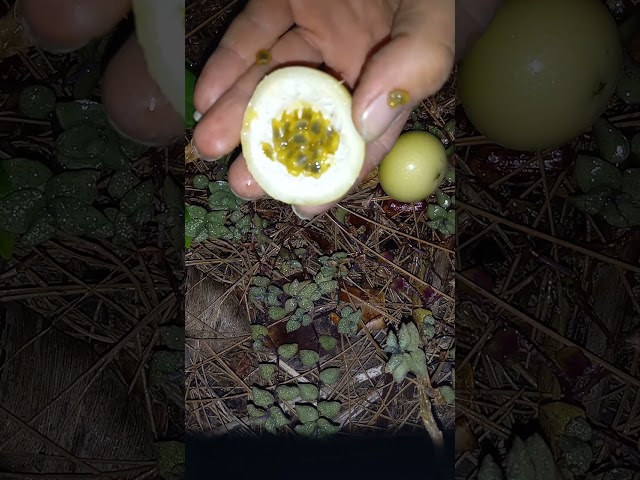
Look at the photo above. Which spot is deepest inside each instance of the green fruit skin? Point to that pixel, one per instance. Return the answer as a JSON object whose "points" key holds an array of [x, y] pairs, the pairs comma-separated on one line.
{"points": [[414, 168], [542, 73]]}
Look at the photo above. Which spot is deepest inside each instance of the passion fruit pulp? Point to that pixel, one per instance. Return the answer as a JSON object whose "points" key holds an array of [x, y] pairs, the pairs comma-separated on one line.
{"points": [[298, 137]]}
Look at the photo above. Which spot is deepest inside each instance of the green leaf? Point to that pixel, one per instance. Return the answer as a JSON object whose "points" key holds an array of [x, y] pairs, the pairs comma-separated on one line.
{"points": [[258, 331], [172, 193], [612, 144], [288, 393], [121, 182], [448, 393], [308, 392], [142, 194], [631, 183], [200, 181], [170, 459], [196, 211], [261, 397], [327, 428], [330, 375], [628, 86], [517, 463], [593, 202], [172, 336], [163, 363], [592, 173], [418, 363], [69, 214], [408, 337], [189, 87], [327, 342], [5, 182], [20, 209], [307, 430], [309, 358], [293, 324], [288, 350], [7, 244], [20, 173], [267, 370], [490, 470], [306, 413], [79, 147], [37, 101], [329, 409], [541, 456], [80, 184], [81, 111]]}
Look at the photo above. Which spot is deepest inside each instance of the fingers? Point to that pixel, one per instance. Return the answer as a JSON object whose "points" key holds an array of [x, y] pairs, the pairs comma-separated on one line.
{"points": [[376, 151], [218, 132], [472, 19], [258, 26], [63, 25], [418, 60], [241, 182]]}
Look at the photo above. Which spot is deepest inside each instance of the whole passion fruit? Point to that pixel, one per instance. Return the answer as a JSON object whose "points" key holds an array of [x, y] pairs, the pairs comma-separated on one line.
{"points": [[542, 72], [298, 137], [414, 167]]}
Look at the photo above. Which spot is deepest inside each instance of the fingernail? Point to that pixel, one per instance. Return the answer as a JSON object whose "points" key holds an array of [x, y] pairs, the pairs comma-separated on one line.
{"points": [[204, 157], [197, 116], [378, 117], [300, 215]]}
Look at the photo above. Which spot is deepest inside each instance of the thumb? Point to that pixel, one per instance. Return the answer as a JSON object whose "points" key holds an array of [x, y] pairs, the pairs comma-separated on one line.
{"points": [[417, 60]]}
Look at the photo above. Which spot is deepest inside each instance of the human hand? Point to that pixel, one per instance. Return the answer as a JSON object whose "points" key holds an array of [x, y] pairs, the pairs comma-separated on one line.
{"points": [[141, 103], [472, 19], [376, 46]]}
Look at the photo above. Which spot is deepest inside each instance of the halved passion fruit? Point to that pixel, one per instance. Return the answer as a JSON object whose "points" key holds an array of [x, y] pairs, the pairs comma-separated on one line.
{"points": [[298, 137]]}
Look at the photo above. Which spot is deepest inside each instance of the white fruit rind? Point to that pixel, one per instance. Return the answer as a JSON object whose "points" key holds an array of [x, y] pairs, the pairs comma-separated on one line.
{"points": [[285, 90]]}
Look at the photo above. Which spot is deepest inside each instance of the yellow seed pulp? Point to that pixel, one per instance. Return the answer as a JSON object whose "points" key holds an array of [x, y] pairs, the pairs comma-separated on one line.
{"points": [[263, 57], [303, 141], [397, 98]]}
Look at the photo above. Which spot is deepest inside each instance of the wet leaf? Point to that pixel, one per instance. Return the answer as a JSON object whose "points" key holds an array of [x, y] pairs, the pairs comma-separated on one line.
{"points": [[592, 173], [7, 244], [517, 463], [288, 393], [79, 112], [628, 86], [329, 409], [173, 194], [80, 147], [121, 183], [306, 413], [330, 375], [554, 417], [23, 173], [142, 194], [20, 209], [612, 144], [593, 202], [288, 350], [489, 469], [80, 184], [308, 392], [37, 101], [170, 459], [262, 397], [309, 358]]}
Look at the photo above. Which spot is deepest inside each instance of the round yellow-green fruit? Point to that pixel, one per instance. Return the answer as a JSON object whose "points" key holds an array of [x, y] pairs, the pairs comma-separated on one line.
{"points": [[414, 167], [298, 137], [542, 72]]}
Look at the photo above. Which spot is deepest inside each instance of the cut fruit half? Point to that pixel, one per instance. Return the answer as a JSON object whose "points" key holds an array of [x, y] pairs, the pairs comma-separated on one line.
{"points": [[298, 137], [160, 30]]}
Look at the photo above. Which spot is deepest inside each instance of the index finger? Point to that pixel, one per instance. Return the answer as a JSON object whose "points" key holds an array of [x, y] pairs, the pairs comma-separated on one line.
{"points": [[257, 27]]}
